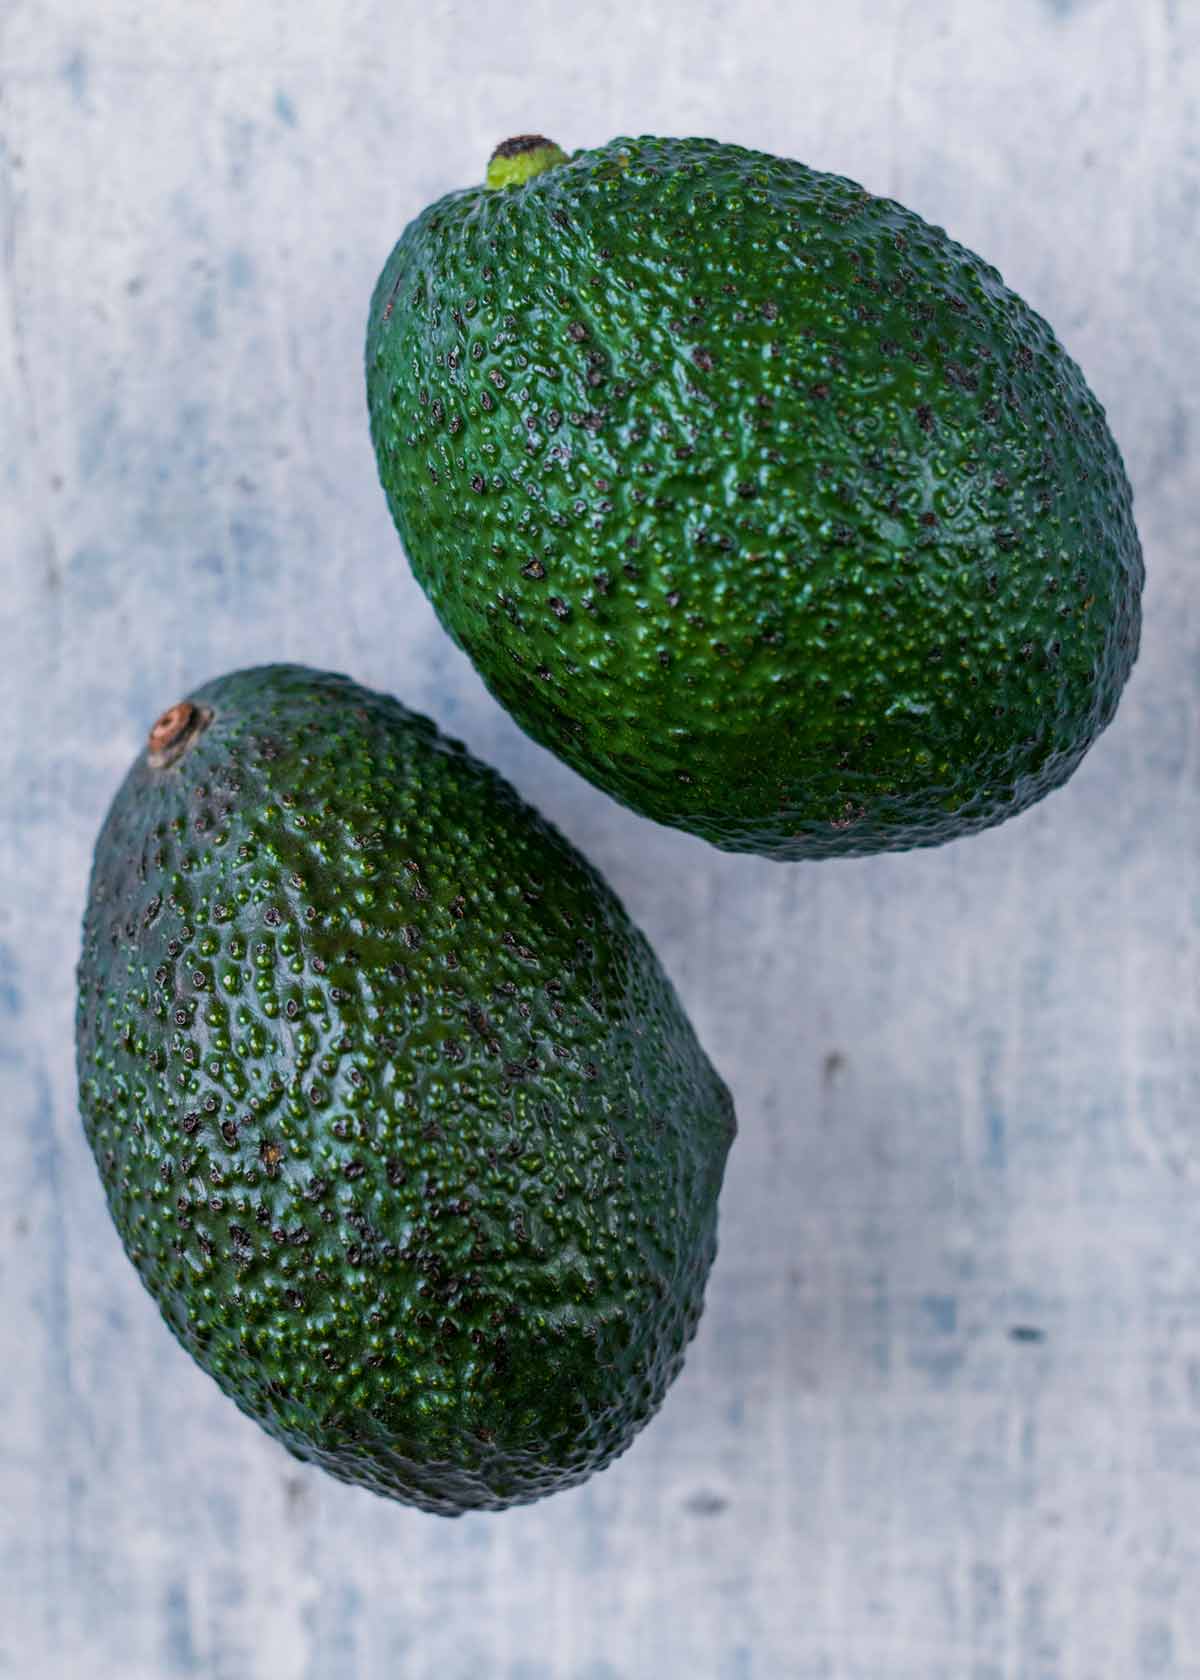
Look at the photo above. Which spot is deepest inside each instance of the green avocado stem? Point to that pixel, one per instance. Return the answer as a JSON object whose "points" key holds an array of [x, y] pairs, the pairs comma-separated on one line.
{"points": [[518, 160]]}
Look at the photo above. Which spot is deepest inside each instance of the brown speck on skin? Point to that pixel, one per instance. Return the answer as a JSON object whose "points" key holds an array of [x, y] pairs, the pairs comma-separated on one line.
{"points": [[851, 814], [391, 302]]}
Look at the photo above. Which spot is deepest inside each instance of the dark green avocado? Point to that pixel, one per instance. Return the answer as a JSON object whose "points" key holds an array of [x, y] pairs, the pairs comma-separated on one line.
{"points": [[398, 1117], [755, 497]]}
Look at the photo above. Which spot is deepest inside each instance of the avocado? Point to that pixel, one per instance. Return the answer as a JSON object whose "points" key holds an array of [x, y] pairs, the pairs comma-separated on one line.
{"points": [[752, 495], [398, 1117]]}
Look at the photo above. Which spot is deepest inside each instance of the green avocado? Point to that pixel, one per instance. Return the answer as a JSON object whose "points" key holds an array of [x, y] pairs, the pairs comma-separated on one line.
{"points": [[398, 1117], [755, 497]]}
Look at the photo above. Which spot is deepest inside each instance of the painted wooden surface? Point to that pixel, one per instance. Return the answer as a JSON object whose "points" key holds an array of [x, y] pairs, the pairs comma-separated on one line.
{"points": [[942, 1421]]}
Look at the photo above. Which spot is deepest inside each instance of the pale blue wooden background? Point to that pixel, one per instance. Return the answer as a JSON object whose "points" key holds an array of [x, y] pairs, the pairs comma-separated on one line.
{"points": [[968, 1080]]}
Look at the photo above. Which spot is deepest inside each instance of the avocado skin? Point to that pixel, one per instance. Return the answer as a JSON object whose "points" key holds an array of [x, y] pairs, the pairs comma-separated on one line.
{"points": [[756, 498], [398, 1117]]}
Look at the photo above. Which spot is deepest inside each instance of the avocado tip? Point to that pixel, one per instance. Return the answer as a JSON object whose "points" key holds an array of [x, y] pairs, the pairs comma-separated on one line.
{"points": [[174, 732], [519, 159]]}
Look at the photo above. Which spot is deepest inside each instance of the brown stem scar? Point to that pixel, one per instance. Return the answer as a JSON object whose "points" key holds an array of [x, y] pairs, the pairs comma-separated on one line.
{"points": [[174, 732]]}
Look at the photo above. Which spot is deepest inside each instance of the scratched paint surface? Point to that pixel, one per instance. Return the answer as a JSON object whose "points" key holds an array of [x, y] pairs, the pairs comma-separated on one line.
{"points": [[942, 1421]]}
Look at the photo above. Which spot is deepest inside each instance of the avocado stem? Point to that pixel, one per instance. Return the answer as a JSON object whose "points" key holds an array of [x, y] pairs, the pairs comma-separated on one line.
{"points": [[518, 160], [174, 733]]}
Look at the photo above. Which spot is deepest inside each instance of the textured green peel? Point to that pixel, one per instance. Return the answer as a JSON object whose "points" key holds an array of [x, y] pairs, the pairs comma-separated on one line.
{"points": [[756, 498], [397, 1115]]}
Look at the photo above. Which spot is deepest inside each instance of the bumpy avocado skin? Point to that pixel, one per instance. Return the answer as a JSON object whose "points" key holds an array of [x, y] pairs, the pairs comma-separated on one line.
{"points": [[755, 497], [398, 1117]]}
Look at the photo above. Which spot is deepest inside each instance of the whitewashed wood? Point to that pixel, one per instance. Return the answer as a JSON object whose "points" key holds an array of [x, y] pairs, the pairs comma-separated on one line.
{"points": [[968, 1081]]}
